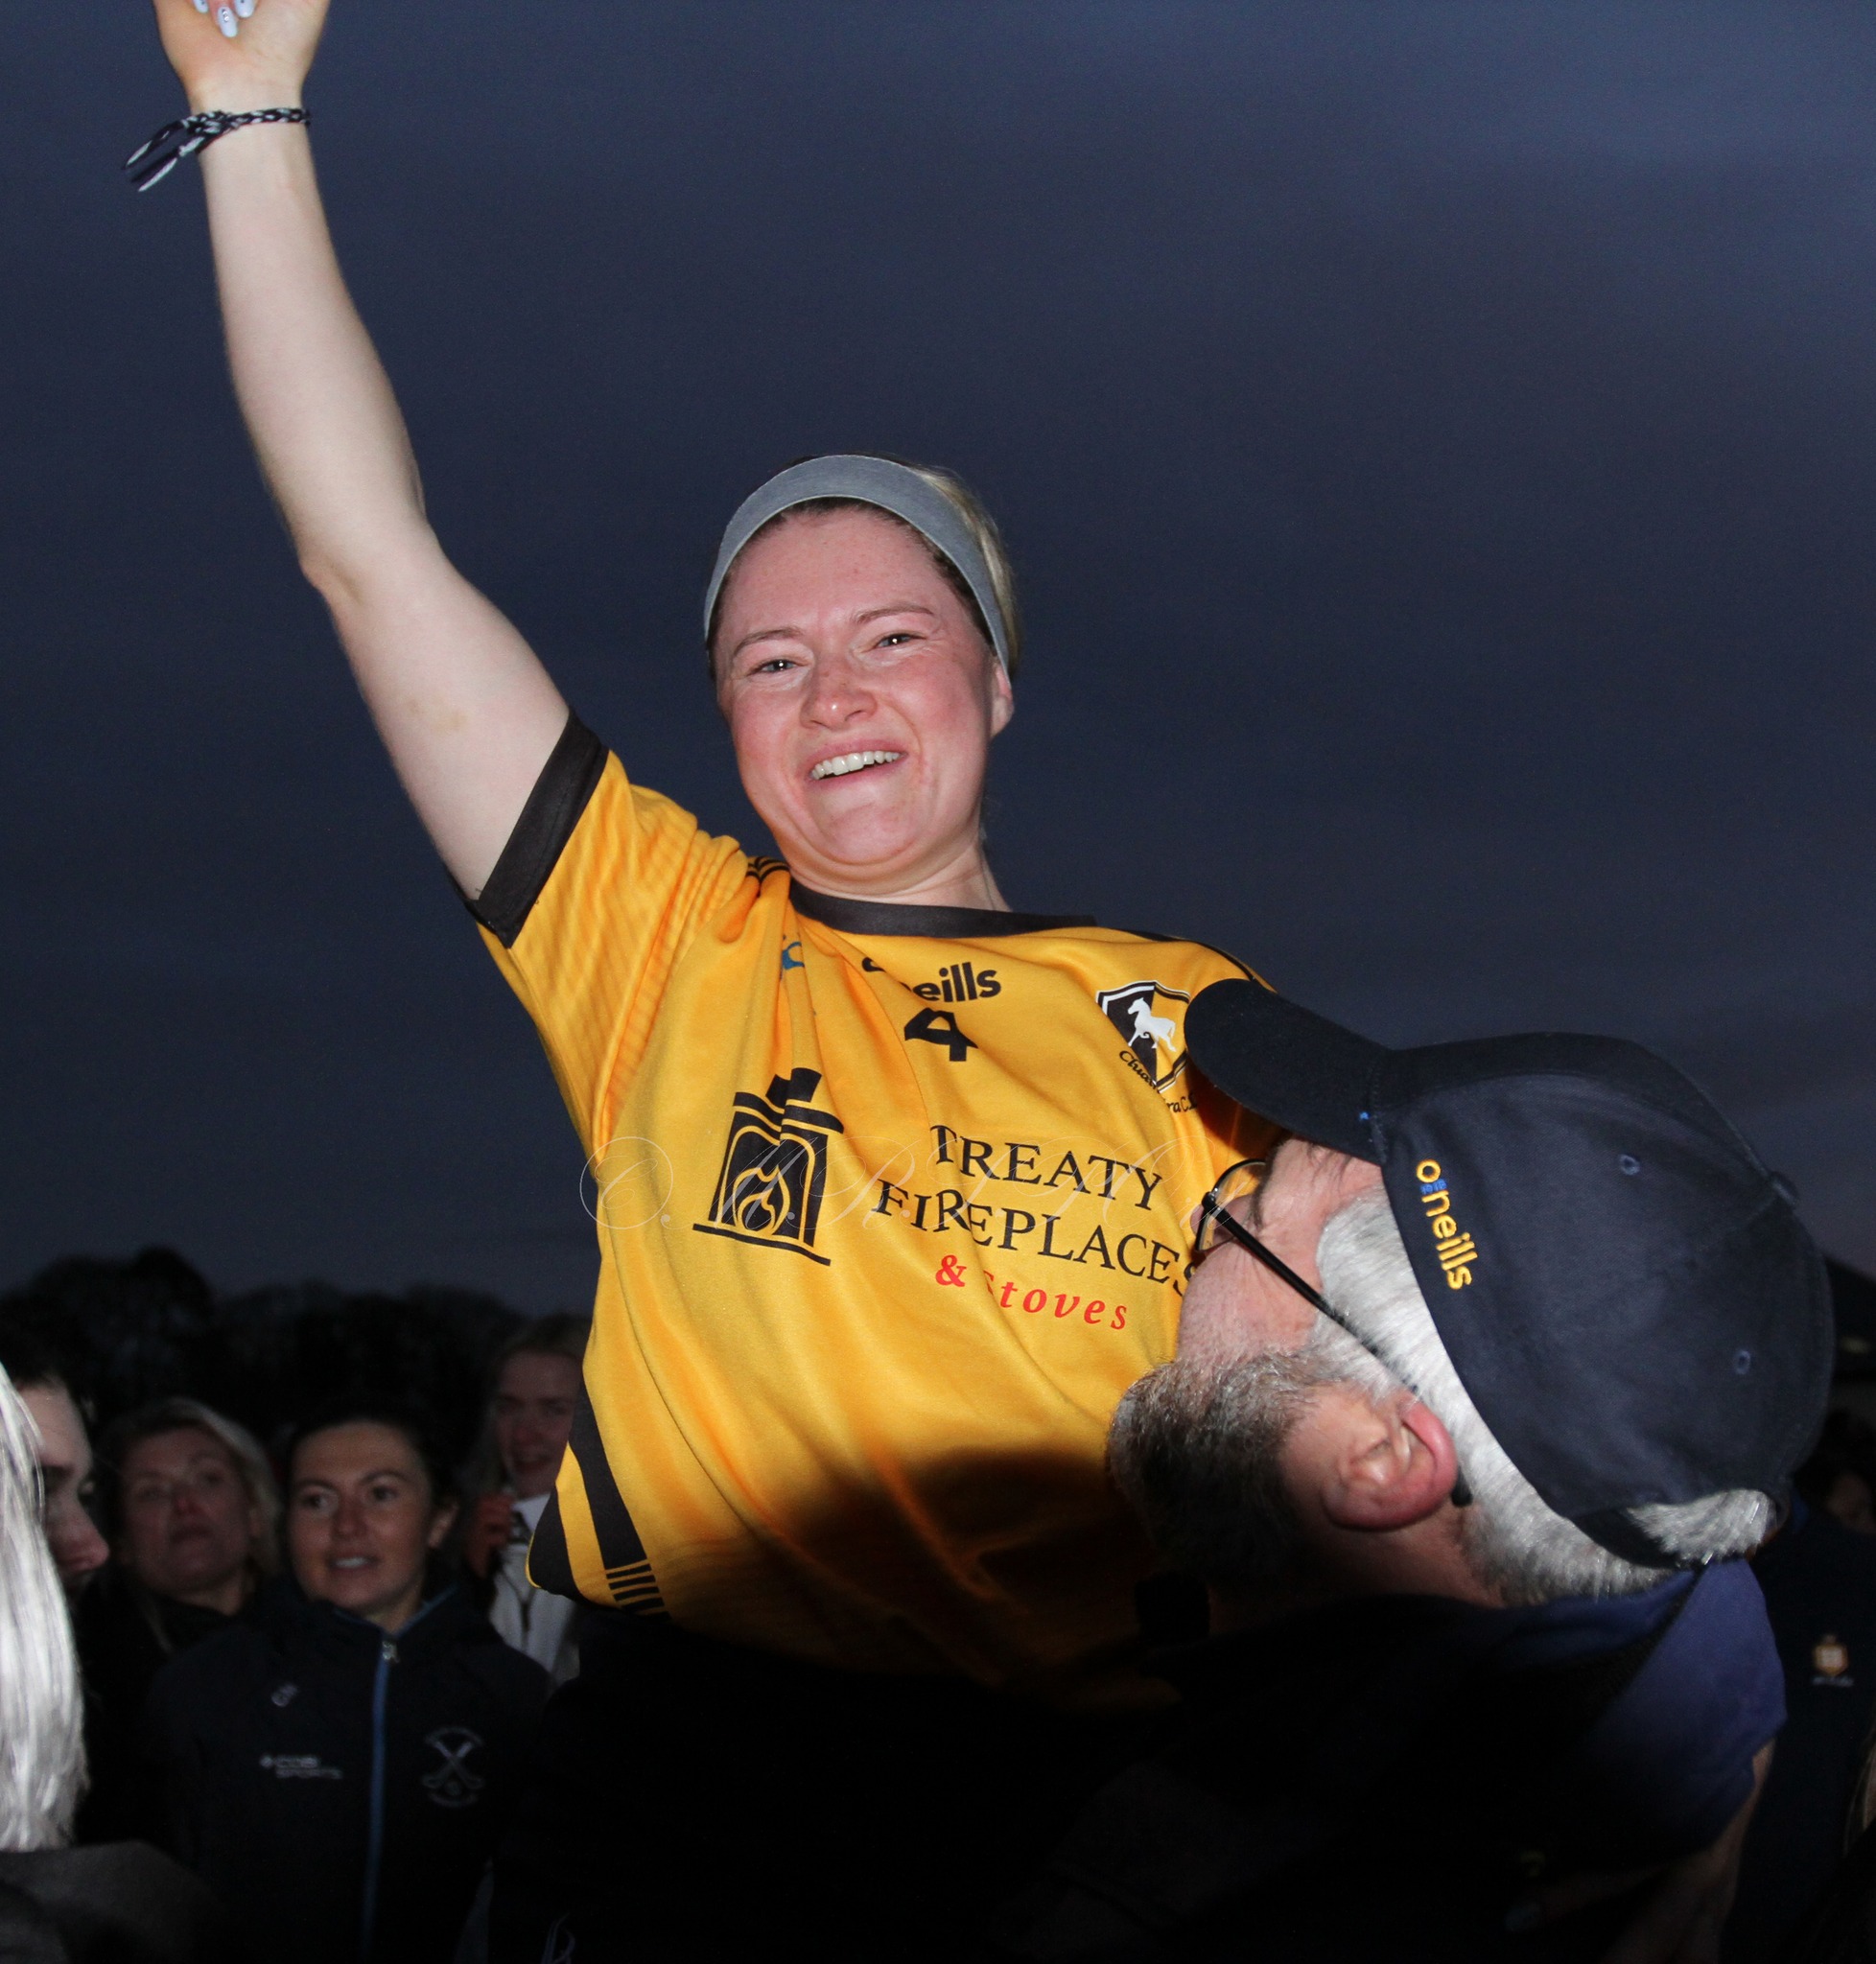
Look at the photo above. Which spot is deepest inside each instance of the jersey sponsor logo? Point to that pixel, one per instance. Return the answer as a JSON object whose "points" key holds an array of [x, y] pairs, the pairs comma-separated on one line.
{"points": [[1151, 1019], [775, 1168], [298, 1766], [960, 982], [452, 1784], [1084, 1206]]}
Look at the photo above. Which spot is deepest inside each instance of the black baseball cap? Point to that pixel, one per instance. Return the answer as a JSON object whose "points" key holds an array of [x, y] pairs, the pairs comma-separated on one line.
{"points": [[1625, 1292]]}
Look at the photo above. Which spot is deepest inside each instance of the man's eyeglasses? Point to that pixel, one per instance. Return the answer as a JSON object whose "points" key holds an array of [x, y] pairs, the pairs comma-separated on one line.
{"points": [[1216, 1224]]}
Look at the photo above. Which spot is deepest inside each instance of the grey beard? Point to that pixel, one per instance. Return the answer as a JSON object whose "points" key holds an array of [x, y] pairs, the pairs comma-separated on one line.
{"points": [[1196, 1448]]}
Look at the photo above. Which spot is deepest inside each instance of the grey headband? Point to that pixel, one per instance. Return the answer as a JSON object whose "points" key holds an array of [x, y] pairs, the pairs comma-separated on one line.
{"points": [[870, 481]]}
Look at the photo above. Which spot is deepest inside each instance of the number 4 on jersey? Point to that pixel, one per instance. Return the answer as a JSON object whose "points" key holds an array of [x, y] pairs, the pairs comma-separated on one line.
{"points": [[939, 1026]]}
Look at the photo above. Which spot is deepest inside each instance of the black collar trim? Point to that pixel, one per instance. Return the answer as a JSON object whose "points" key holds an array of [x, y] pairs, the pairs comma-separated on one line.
{"points": [[928, 923]]}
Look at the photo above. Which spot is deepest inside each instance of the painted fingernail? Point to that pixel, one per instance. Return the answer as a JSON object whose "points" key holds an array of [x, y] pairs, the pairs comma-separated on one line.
{"points": [[201, 6], [244, 8], [224, 19]]}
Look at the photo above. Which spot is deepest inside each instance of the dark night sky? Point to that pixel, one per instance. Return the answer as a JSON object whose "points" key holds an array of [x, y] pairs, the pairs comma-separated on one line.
{"points": [[1438, 439]]}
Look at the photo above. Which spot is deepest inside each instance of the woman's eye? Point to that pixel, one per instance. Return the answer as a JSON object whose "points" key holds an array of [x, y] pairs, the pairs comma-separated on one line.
{"points": [[774, 665]]}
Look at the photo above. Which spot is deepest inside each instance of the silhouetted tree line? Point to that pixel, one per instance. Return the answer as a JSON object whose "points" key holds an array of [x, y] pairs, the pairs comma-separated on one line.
{"points": [[126, 1332]]}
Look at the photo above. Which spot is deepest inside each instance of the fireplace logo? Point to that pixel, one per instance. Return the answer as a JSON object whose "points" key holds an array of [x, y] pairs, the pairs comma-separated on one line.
{"points": [[775, 1166]]}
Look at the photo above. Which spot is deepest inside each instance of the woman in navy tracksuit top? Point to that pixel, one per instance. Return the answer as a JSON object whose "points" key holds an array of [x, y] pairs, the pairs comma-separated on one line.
{"points": [[339, 1767]]}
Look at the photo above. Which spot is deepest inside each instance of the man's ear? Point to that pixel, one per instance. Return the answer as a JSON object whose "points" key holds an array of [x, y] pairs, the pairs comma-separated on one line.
{"points": [[1396, 1468]]}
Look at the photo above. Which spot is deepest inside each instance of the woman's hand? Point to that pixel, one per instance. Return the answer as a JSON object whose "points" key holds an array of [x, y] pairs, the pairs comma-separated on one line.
{"points": [[228, 60], [490, 1529]]}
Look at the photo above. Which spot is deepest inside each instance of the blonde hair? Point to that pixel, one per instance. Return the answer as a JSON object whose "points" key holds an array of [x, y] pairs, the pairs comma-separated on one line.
{"points": [[41, 1716], [968, 505], [189, 1414]]}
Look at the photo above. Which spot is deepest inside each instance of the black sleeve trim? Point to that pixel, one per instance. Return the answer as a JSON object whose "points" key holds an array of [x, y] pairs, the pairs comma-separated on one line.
{"points": [[554, 806], [1224, 954]]}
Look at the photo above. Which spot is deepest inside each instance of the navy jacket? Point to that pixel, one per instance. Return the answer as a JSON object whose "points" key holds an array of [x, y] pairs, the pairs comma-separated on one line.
{"points": [[1383, 1779], [1819, 1582], [339, 1788]]}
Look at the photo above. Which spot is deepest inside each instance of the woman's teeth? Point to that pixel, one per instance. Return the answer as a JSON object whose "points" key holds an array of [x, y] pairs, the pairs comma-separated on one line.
{"points": [[854, 761]]}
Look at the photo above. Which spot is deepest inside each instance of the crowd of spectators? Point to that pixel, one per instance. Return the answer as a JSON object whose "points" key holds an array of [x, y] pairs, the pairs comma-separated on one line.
{"points": [[290, 1530]]}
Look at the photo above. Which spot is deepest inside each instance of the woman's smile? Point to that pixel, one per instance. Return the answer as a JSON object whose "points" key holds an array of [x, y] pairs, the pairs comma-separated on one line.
{"points": [[852, 760], [848, 660]]}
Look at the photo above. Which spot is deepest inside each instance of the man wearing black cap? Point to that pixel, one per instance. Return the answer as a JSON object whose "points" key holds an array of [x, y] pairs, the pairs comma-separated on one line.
{"points": [[1484, 1386]]}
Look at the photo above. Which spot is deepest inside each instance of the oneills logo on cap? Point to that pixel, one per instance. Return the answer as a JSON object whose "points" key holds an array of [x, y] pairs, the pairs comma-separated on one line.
{"points": [[1457, 1252]]}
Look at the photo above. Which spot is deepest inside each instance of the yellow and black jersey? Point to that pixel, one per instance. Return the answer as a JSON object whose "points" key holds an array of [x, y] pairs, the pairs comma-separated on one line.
{"points": [[893, 1203]]}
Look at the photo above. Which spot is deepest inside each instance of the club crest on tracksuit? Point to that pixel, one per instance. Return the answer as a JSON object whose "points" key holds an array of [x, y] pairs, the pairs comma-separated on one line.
{"points": [[452, 1784]]}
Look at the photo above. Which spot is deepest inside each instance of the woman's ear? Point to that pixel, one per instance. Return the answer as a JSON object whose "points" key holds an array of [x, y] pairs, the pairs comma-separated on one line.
{"points": [[1393, 1470], [440, 1524], [1002, 696]]}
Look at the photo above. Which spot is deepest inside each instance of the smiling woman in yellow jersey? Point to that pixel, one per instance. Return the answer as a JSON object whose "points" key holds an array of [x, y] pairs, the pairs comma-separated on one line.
{"points": [[893, 1182], [892, 1205]]}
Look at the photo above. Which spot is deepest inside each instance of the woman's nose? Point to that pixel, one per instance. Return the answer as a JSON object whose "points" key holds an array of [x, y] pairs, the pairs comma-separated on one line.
{"points": [[836, 693]]}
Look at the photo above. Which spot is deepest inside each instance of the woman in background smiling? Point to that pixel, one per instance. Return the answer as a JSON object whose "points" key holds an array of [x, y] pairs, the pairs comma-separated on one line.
{"points": [[339, 1769]]}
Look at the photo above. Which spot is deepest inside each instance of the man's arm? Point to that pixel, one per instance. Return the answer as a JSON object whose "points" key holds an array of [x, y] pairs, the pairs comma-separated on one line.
{"points": [[464, 707]]}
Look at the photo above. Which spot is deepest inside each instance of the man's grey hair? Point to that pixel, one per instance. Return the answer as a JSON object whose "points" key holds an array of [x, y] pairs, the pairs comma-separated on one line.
{"points": [[1514, 1542], [42, 1719]]}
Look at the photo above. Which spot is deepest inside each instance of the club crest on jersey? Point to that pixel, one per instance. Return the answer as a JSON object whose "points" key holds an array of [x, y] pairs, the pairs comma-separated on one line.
{"points": [[1151, 1019], [775, 1168]]}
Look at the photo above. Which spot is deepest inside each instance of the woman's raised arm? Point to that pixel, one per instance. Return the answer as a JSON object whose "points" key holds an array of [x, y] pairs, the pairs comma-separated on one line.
{"points": [[465, 706]]}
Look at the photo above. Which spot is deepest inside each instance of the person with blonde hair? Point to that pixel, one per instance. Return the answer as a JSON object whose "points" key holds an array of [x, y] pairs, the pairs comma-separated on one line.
{"points": [[893, 1180], [125, 1903], [191, 1511]]}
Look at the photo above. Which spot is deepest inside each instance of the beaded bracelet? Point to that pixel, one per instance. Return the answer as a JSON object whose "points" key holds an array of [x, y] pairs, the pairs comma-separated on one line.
{"points": [[175, 141]]}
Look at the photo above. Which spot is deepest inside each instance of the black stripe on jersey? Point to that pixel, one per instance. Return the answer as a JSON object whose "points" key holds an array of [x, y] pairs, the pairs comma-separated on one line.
{"points": [[928, 923], [548, 1565], [561, 793], [1224, 954], [627, 1567]]}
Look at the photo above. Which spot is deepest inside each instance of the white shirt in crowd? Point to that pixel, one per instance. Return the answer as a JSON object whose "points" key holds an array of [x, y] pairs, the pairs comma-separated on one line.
{"points": [[537, 1624]]}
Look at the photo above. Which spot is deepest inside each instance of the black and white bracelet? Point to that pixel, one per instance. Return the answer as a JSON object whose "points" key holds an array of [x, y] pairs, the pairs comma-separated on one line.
{"points": [[175, 141]]}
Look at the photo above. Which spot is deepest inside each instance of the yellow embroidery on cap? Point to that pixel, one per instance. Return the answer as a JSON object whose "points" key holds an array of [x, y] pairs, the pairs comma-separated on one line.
{"points": [[1457, 1250]]}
